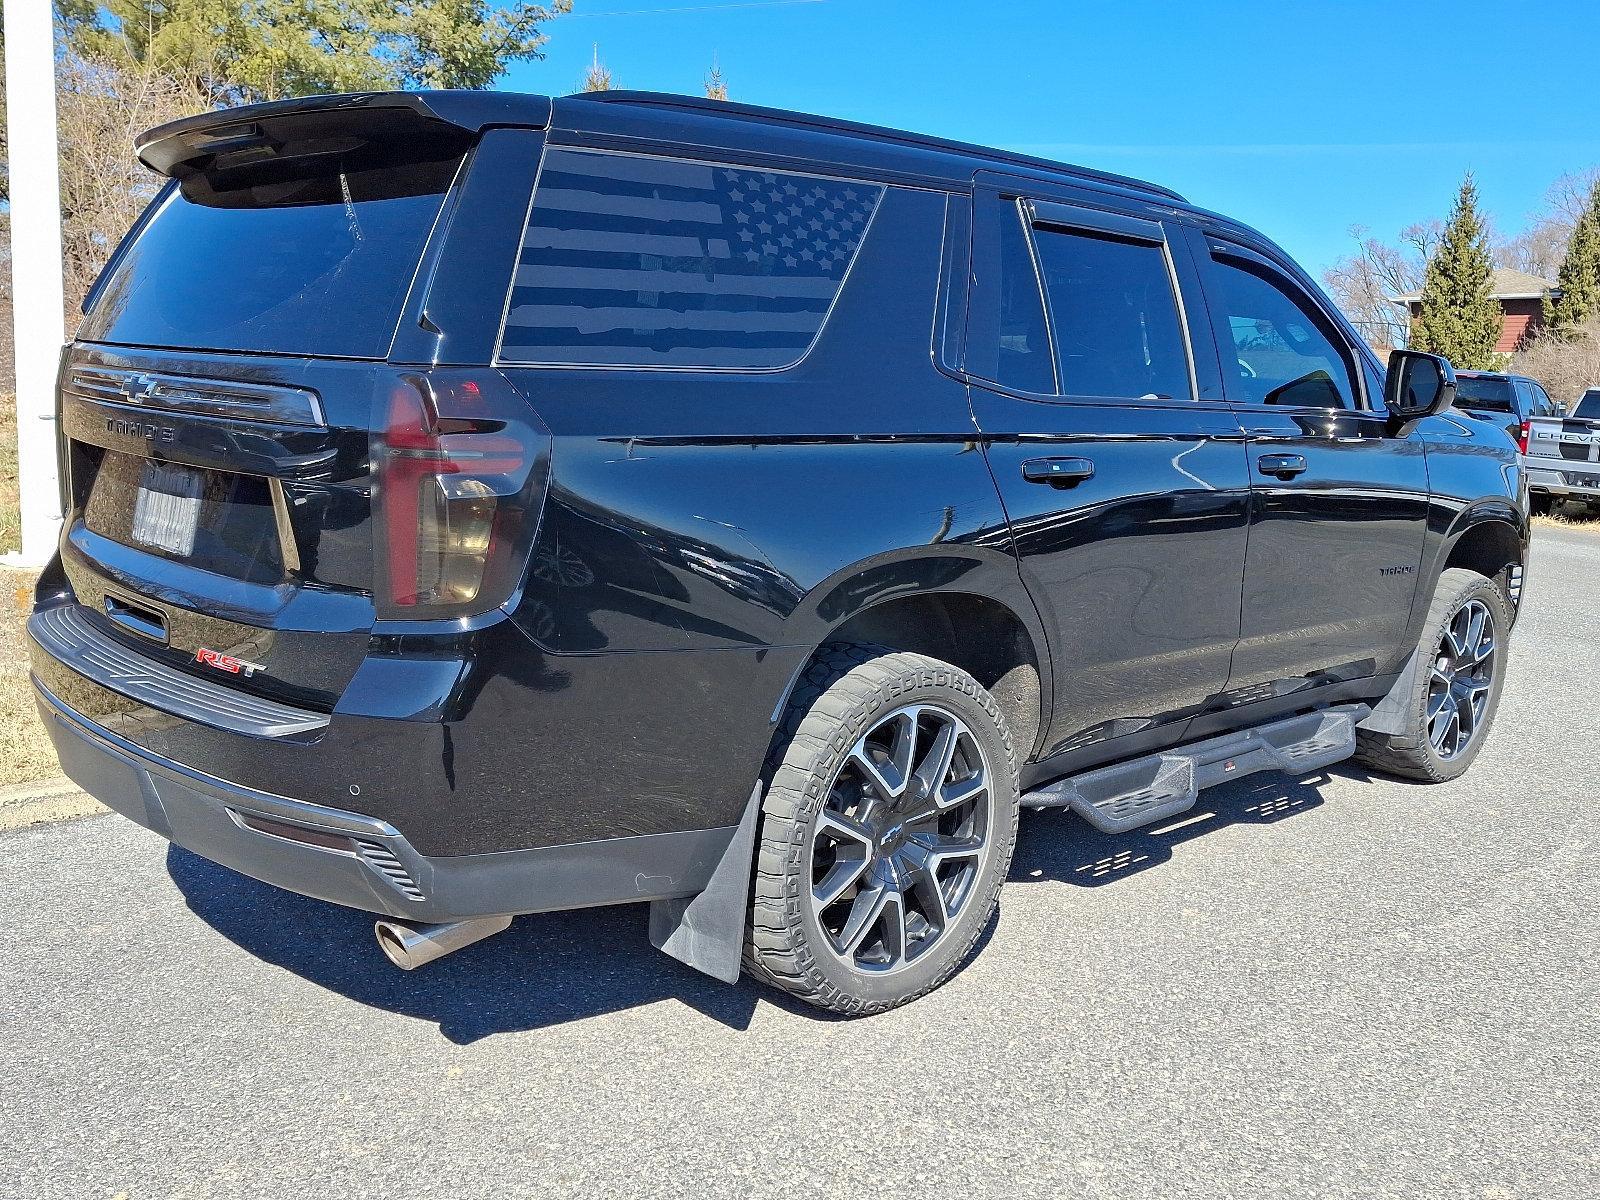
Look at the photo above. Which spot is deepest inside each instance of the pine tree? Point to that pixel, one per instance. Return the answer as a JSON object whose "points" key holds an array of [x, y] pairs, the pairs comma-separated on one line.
{"points": [[716, 85], [264, 49], [599, 77], [1579, 279], [1458, 319]]}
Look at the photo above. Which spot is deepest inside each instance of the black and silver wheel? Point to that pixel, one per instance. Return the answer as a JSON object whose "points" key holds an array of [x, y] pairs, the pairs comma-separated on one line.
{"points": [[1460, 680], [887, 831], [1454, 691]]}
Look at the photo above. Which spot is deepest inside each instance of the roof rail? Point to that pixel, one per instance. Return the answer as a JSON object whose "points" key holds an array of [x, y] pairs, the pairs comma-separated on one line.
{"points": [[780, 116]]}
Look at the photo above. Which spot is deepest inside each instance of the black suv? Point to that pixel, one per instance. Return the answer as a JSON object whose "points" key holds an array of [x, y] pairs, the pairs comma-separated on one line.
{"points": [[482, 504], [1510, 401]]}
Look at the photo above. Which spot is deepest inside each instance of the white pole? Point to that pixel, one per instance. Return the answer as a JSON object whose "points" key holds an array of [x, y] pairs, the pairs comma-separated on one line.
{"points": [[36, 291]]}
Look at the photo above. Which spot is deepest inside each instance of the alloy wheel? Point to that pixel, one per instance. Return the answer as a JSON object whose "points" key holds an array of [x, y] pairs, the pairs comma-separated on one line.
{"points": [[1463, 675], [901, 838]]}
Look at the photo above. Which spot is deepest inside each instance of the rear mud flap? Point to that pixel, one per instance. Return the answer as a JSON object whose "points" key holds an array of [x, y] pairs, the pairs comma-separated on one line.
{"points": [[706, 931]]}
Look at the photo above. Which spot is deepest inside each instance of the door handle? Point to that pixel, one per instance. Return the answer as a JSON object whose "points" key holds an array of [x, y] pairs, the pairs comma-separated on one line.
{"points": [[1284, 466], [1057, 472]]}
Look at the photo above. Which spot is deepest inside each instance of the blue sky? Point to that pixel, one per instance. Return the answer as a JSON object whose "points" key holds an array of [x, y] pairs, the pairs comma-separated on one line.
{"points": [[1301, 117]]}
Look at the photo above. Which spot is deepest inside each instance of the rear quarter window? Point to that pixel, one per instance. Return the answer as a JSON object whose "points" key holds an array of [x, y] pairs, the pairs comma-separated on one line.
{"points": [[298, 263], [632, 260]]}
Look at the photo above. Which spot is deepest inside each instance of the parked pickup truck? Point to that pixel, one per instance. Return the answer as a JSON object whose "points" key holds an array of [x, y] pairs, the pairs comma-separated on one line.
{"points": [[1563, 454]]}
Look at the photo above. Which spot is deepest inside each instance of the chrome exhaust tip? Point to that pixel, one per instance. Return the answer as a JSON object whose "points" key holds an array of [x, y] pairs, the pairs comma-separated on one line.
{"points": [[409, 946]]}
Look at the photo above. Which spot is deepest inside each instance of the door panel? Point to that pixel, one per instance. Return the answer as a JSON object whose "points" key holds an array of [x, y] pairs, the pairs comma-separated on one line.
{"points": [[1127, 497], [1136, 570], [1339, 503]]}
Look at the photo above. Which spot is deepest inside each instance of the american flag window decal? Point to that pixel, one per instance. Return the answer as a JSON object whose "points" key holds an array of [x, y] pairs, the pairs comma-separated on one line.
{"points": [[637, 261]]}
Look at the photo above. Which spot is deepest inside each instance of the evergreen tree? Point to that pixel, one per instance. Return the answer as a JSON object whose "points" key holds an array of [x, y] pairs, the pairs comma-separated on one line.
{"points": [[598, 78], [1579, 279], [716, 85], [1458, 319], [264, 49]]}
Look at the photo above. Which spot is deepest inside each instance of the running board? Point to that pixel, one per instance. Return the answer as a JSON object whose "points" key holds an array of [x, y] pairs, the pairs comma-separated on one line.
{"points": [[1127, 795]]}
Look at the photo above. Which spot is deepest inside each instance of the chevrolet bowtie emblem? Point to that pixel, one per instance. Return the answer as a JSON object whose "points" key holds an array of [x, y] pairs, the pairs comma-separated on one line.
{"points": [[137, 387]]}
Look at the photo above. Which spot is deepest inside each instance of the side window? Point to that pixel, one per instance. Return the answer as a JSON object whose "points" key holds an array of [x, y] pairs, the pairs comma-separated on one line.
{"points": [[1375, 383], [1023, 357], [1282, 351], [1527, 404], [1115, 316], [630, 260], [1547, 406]]}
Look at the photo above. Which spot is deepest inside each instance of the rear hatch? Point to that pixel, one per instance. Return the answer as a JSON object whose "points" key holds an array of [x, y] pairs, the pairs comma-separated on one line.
{"points": [[250, 484]]}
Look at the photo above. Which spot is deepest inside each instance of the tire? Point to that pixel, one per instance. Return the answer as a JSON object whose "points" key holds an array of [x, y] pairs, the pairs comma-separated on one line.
{"points": [[914, 874], [1425, 750]]}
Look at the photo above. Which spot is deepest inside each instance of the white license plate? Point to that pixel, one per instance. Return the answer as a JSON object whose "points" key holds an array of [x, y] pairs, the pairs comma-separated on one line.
{"points": [[167, 510]]}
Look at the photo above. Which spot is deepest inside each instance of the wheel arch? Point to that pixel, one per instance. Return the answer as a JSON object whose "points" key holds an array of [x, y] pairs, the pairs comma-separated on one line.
{"points": [[965, 606], [1491, 539]]}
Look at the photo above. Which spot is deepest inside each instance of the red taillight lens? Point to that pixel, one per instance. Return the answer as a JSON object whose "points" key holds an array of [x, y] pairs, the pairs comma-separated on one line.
{"points": [[1522, 436], [452, 489]]}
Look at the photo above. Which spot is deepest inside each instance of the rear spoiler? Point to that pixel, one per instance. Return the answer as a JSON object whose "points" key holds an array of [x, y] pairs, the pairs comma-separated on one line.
{"points": [[282, 129]]}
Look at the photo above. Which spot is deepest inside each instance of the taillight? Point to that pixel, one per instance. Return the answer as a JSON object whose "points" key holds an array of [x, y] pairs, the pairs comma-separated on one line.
{"points": [[453, 486], [1522, 436]]}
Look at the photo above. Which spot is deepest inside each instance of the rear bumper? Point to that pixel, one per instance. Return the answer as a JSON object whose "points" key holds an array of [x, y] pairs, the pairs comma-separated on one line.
{"points": [[1555, 481], [361, 861]]}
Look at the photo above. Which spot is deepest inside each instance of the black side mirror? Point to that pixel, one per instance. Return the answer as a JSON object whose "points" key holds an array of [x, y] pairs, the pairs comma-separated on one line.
{"points": [[1418, 385]]}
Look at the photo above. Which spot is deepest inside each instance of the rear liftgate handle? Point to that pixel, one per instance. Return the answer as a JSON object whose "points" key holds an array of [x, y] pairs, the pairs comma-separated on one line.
{"points": [[1057, 472]]}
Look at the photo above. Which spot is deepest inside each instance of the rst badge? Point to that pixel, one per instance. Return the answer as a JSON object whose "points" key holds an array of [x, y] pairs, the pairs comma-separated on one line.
{"points": [[227, 662]]}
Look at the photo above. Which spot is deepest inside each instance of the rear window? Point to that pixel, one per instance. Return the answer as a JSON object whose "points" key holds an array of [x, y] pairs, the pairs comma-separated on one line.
{"points": [[305, 263], [630, 260], [1589, 406], [1484, 395]]}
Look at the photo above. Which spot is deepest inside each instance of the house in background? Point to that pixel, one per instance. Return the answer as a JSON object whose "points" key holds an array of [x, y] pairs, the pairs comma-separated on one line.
{"points": [[1521, 299]]}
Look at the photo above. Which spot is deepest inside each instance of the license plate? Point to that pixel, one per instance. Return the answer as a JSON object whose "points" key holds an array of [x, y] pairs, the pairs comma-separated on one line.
{"points": [[166, 512]]}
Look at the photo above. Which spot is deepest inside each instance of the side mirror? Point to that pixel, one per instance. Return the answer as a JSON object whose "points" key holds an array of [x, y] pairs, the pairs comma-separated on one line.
{"points": [[1418, 385]]}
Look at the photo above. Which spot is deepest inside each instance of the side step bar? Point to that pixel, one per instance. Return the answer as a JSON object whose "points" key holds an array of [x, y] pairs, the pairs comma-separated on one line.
{"points": [[1127, 795]]}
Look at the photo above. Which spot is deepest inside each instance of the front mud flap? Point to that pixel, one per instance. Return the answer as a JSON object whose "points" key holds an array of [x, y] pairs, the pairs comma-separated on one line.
{"points": [[1390, 715], [706, 931]]}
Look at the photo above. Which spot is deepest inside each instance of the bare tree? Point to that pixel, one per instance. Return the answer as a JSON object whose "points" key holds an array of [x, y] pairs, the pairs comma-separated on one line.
{"points": [[1540, 248], [1423, 238], [1566, 365], [1365, 283], [101, 108]]}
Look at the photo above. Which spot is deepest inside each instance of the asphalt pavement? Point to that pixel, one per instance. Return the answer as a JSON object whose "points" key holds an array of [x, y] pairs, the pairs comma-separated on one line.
{"points": [[1334, 986]]}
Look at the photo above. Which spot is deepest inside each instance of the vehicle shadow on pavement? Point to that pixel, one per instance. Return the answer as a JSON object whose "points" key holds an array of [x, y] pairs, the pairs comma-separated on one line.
{"points": [[552, 968], [1057, 845], [545, 970]]}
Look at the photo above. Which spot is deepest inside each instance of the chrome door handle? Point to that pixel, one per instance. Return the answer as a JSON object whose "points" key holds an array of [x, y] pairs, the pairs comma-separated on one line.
{"points": [[1284, 466], [1057, 472]]}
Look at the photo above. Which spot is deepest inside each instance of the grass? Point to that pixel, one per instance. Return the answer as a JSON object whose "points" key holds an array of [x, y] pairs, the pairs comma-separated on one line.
{"points": [[25, 751], [1566, 518], [10, 515]]}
